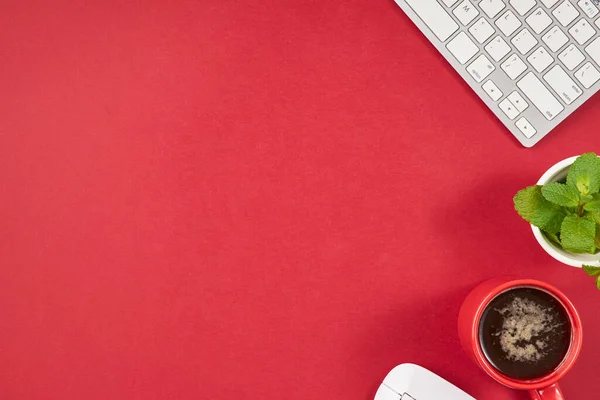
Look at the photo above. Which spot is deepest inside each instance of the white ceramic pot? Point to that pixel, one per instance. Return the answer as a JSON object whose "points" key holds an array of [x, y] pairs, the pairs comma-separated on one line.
{"points": [[557, 173]]}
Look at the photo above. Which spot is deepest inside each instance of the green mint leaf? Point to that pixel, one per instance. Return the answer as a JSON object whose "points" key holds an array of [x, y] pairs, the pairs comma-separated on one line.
{"points": [[561, 194], [593, 206], [584, 174], [548, 218], [586, 198], [531, 205], [592, 216], [591, 271], [553, 238], [527, 201], [578, 235], [583, 185]]}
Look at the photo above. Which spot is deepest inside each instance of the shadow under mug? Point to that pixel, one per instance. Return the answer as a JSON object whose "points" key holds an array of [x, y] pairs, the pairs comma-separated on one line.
{"points": [[544, 388]]}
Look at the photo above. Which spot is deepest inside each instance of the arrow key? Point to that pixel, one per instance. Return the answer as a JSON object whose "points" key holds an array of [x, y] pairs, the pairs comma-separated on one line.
{"points": [[492, 90], [518, 101], [525, 127], [508, 108]]}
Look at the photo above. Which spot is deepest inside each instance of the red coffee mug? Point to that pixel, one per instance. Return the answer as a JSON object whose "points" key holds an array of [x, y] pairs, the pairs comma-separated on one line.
{"points": [[544, 388]]}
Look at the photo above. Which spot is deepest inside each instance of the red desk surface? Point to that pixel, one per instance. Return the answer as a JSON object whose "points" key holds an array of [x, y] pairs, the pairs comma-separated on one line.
{"points": [[252, 200]]}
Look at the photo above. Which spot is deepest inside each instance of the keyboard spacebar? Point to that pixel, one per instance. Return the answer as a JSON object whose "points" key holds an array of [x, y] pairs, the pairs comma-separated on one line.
{"points": [[541, 97], [435, 17]]}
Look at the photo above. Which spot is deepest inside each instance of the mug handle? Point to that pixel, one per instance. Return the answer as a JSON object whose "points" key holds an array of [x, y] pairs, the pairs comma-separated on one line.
{"points": [[551, 392]]}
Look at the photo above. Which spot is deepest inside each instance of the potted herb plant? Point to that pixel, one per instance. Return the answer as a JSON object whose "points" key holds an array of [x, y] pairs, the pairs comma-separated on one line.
{"points": [[564, 212]]}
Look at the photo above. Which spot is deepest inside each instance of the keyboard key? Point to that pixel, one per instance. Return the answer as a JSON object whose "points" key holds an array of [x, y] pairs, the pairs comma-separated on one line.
{"points": [[555, 39], [525, 127], [593, 50], [571, 57], [524, 41], [540, 96], [466, 12], [513, 66], [539, 20], [562, 84], [510, 110], [435, 17], [565, 13], [450, 3], [482, 30], [588, 8], [492, 90], [522, 6], [480, 68], [462, 48], [492, 7], [540, 59], [582, 31], [518, 101], [508, 23], [587, 75], [549, 3], [497, 48]]}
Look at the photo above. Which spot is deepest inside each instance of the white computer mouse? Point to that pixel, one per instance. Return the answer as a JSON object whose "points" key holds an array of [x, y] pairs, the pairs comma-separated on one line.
{"points": [[412, 382]]}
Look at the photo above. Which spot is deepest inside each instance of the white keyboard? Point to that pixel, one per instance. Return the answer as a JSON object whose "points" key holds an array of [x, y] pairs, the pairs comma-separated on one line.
{"points": [[533, 62]]}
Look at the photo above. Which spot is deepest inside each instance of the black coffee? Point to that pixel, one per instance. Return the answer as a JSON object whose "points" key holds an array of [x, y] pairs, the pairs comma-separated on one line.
{"points": [[525, 333]]}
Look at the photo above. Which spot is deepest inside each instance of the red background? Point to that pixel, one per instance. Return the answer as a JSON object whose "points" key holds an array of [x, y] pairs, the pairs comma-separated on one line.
{"points": [[252, 200]]}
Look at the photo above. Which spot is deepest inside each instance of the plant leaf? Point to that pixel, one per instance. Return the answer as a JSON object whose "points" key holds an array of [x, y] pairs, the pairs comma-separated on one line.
{"points": [[592, 206], [584, 174], [586, 198], [549, 218], [583, 186], [531, 205], [527, 201], [553, 238], [592, 216], [561, 194], [591, 271], [577, 235]]}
